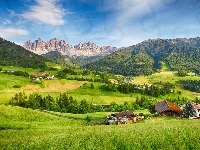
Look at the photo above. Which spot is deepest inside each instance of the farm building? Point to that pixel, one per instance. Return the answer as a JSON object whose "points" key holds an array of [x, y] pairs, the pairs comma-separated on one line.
{"points": [[167, 108], [120, 118]]}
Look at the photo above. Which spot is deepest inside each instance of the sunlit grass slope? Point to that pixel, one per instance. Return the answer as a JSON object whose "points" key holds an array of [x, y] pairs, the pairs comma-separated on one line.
{"points": [[29, 129]]}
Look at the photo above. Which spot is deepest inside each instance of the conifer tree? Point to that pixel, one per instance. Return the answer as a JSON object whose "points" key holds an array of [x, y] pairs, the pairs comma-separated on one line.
{"points": [[188, 111]]}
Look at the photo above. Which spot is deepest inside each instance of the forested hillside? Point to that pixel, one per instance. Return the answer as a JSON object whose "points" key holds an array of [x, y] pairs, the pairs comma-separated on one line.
{"points": [[144, 58], [111, 61], [15, 55], [185, 59]]}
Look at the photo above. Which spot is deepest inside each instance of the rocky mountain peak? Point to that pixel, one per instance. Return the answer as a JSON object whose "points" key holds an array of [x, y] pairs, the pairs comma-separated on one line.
{"points": [[82, 49]]}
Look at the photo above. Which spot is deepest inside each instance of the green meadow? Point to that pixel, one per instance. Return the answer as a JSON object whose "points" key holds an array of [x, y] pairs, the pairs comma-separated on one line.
{"points": [[82, 89], [22, 128]]}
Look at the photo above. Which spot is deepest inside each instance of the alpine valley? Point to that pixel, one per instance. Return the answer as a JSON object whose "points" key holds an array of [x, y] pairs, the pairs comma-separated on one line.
{"points": [[63, 98], [144, 58]]}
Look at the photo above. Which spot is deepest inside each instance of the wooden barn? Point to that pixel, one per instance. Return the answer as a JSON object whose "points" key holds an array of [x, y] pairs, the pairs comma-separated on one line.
{"points": [[127, 113], [167, 108]]}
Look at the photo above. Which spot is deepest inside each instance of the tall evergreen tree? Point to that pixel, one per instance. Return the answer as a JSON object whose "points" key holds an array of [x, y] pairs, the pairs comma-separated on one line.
{"points": [[188, 111]]}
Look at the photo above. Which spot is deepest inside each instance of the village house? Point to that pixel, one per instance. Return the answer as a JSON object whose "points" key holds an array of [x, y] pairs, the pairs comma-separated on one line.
{"points": [[196, 108], [167, 108], [42, 75], [10, 71], [50, 76], [120, 118]]}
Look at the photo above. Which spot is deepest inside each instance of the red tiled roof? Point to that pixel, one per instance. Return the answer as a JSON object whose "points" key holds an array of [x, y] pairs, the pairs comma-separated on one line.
{"points": [[165, 106], [173, 107]]}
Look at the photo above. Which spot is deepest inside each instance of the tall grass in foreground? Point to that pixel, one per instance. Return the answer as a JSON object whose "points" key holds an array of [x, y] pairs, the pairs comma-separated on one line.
{"points": [[30, 129]]}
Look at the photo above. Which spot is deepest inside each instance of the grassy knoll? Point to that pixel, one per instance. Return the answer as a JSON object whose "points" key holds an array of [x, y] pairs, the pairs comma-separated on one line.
{"points": [[30, 129], [140, 80], [6, 86], [16, 68], [164, 77], [8, 81], [59, 86], [96, 95], [165, 67], [53, 87]]}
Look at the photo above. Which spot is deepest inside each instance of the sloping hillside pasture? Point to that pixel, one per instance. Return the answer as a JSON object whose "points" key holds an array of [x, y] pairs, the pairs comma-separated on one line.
{"points": [[30, 129], [60, 86], [16, 68], [80, 91]]}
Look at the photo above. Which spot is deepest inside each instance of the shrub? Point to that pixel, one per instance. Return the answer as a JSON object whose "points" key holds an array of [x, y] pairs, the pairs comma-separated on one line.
{"points": [[16, 86]]}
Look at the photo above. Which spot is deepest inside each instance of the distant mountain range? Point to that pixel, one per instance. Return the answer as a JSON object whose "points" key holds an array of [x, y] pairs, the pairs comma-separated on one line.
{"points": [[88, 49], [180, 54]]}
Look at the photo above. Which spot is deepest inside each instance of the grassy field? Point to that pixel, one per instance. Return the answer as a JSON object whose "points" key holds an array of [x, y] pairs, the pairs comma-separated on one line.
{"points": [[53, 87], [22, 128], [80, 92], [95, 95], [31, 129], [15, 68]]}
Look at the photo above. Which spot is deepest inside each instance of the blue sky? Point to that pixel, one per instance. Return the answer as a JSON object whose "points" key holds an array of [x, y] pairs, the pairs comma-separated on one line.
{"points": [[117, 23]]}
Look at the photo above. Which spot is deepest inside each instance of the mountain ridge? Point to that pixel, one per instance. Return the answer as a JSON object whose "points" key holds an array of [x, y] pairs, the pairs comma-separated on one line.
{"points": [[82, 49], [12, 54], [145, 58]]}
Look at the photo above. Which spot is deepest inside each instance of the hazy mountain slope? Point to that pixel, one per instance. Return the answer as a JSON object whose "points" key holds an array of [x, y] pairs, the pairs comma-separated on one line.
{"points": [[61, 59]]}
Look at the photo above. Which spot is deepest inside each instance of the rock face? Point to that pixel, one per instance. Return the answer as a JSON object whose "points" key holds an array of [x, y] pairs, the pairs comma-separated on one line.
{"points": [[86, 49]]}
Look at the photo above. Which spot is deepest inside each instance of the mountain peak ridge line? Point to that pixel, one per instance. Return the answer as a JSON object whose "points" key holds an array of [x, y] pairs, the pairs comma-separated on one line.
{"points": [[81, 49]]}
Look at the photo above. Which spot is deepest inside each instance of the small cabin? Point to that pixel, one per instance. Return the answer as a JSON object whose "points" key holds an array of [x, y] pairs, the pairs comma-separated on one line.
{"points": [[167, 108]]}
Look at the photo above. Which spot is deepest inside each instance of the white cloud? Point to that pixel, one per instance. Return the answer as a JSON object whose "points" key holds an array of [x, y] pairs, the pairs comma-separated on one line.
{"points": [[129, 9], [11, 13], [46, 11], [10, 32], [125, 29], [6, 22]]}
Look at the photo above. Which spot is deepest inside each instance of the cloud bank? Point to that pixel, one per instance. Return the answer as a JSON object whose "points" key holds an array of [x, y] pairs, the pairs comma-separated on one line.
{"points": [[46, 11], [10, 32]]}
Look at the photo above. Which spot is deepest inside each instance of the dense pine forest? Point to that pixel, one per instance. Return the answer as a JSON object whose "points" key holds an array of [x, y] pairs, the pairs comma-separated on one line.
{"points": [[191, 85], [15, 55], [145, 58]]}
